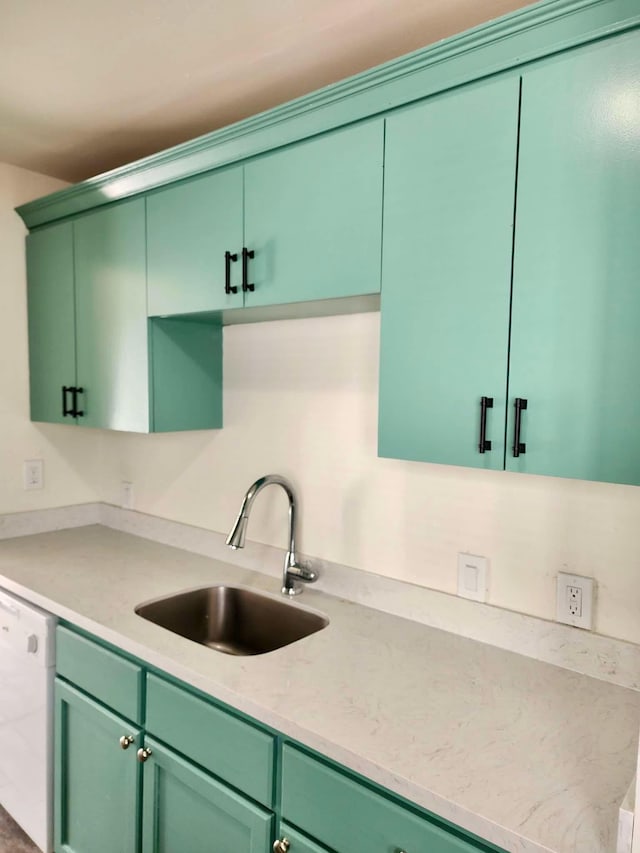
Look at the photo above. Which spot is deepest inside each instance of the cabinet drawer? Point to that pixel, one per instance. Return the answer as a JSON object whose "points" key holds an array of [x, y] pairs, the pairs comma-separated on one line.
{"points": [[347, 815], [105, 675], [235, 751]]}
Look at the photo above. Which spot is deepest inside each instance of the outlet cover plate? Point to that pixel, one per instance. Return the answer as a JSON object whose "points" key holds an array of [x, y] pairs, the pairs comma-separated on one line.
{"points": [[473, 577], [126, 494], [574, 600], [33, 474]]}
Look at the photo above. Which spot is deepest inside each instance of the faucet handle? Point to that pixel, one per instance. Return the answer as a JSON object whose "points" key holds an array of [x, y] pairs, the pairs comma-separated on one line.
{"points": [[303, 572], [295, 572]]}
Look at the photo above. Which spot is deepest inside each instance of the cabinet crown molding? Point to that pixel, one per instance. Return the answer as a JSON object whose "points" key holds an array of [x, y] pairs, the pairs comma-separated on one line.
{"points": [[546, 27]]}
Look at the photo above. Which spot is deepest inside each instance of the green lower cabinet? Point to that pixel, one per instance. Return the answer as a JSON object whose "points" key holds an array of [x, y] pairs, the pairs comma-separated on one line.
{"points": [[202, 777], [298, 842], [96, 781], [236, 752], [347, 815], [187, 810], [103, 674], [450, 167], [575, 346]]}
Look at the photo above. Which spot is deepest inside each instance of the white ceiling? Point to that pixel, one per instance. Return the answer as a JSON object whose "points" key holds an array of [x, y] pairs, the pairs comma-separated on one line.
{"points": [[87, 85]]}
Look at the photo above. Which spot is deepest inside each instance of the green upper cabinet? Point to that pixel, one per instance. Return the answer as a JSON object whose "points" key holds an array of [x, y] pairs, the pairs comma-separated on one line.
{"points": [[51, 308], [313, 218], [190, 229], [186, 375], [111, 317], [570, 332], [575, 344], [301, 224], [89, 333], [450, 167], [498, 218]]}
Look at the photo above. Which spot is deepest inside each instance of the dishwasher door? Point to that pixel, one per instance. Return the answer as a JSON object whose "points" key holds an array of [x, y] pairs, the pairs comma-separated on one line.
{"points": [[27, 670]]}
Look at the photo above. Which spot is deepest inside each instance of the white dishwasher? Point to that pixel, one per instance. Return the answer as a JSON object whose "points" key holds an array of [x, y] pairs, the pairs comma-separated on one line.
{"points": [[27, 670]]}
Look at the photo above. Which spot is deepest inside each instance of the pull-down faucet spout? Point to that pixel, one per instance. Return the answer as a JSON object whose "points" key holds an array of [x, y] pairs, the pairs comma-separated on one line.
{"points": [[292, 571]]}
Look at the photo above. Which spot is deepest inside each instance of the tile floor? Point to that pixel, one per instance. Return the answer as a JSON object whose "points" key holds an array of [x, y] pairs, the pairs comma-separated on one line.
{"points": [[12, 838]]}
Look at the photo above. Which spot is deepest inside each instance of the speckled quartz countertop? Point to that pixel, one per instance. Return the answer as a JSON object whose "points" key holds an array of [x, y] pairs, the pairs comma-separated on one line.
{"points": [[524, 754]]}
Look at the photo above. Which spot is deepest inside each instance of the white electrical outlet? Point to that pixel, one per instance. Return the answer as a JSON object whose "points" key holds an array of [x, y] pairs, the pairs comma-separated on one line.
{"points": [[126, 498], [33, 473], [575, 600], [473, 577]]}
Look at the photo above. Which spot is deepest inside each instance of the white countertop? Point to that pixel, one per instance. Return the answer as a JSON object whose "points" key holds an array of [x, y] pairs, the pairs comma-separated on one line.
{"points": [[525, 754]]}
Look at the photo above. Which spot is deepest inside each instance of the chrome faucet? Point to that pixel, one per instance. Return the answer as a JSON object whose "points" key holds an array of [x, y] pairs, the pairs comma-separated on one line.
{"points": [[292, 571]]}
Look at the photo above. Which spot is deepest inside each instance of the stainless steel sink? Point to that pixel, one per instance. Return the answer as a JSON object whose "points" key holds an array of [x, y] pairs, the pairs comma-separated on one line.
{"points": [[233, 620]]}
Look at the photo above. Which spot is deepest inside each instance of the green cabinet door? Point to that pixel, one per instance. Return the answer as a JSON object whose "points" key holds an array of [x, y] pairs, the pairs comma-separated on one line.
{"points": [[51, 311], [298, 842], [450, 166], [313, 217], [575, 336], [190, 227], [187, 810], [111, 317], [96, 780]]}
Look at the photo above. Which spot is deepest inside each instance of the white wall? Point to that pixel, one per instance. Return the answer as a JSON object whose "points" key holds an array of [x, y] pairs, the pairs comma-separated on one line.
{"points": [[73, 465], [300, 398]]}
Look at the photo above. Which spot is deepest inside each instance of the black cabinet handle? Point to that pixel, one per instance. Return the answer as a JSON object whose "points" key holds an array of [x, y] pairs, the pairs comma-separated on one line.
{"points": [[246, 254], [76, 391], [228, 259], [518, 447], [485, 403], [66, 411]]}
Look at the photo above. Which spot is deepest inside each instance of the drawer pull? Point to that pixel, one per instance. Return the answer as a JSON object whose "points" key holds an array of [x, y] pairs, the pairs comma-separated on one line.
{"points": [[519, 448], [485, 444], [246, 255], [66, 411], [143, 753], [228, 260], [77, 413], [281, 846], [126, 741]]}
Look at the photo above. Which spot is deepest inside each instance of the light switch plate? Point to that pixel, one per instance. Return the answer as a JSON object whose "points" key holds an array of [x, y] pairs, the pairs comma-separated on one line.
{"points": [[126, 494], [473, 577], [33, 473]]}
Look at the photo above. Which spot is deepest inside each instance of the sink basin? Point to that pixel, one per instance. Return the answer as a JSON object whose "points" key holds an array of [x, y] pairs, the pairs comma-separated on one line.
{"points": [[233, 620]]}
